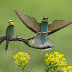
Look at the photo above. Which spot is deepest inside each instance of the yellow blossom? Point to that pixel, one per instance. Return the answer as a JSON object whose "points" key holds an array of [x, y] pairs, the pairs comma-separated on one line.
{"points": [[16, 61], [69, 67], [56, 52], [26, 61], [46, 55], [55, 60], [52, 69], [63, 59], [64, 69], [21, 59]]}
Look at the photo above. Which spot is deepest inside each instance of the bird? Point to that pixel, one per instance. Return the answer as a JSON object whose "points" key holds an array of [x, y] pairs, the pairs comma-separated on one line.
{"points": [[9, 32], [43, 27], [43, 40]]}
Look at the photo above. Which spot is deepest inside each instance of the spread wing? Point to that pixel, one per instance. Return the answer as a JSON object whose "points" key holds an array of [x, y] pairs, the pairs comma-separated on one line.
{"points": [[30, 22], [56, 25]]}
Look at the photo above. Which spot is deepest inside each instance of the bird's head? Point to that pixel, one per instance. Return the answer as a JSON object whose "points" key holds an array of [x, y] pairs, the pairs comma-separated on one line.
{"points": [[11, 22], [45, 19]]}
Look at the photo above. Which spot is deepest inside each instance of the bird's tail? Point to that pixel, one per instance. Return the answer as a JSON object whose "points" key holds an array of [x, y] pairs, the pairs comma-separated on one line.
{"points": [[7, 42], [39, 42]]}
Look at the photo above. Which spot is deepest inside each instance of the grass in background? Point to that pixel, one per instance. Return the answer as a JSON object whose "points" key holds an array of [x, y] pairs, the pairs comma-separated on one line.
{"points": [[55, 10]]}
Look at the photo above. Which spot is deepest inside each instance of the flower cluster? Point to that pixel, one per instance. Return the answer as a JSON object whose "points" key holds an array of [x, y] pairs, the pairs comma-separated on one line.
{"points": [[55, 60], [68, 69], [21, 59]]}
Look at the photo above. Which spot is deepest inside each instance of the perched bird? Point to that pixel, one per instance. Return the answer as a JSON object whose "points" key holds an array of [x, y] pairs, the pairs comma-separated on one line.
{"points": [[43, 27], [9, 32]]}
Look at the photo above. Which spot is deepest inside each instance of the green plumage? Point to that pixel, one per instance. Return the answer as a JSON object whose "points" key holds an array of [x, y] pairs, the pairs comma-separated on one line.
{"points": [[44, 28], [9, 33]]}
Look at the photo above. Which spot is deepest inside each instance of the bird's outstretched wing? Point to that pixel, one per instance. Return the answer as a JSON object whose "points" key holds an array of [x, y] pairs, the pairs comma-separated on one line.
{"points": [[30, 22], [56, 25]]}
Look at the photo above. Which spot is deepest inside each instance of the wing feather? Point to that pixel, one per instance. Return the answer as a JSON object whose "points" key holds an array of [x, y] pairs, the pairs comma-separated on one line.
{"points": [[56, 25], [30, 22]]}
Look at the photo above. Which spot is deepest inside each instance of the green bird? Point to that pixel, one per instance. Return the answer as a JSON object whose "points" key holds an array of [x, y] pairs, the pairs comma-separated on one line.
{"points": [[43, 27], [9, 32]]}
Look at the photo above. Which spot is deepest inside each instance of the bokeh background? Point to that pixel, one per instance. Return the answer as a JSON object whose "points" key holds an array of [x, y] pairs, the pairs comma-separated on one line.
{"points": [[55, 10]]}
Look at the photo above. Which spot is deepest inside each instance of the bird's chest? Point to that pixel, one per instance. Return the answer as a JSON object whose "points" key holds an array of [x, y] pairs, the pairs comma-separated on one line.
{"points": [[44, 27], [10, 31]]}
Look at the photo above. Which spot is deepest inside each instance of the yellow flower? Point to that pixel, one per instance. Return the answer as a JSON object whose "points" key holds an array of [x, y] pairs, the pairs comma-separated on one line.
{"points": [[64, 69], [63, 59], [56, 60], [46, 55], [52, 69], [70, 70], [21, 59], [69, 67], [52, 63], [56, 52], [24, 58], [26, 61], [26, 53], [65, 63], [15, 56], [51, 55], [16, 61], [18, 53], [28, 57]]}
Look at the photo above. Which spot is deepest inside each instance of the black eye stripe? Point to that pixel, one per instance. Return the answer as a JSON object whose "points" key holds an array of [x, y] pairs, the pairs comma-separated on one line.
{"points": [[43, 18], [10, 21]]}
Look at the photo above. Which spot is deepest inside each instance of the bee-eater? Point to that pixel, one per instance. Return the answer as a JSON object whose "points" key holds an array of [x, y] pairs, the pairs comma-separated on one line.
{"points": [[9, 32], [35, 26], [43, 40]]}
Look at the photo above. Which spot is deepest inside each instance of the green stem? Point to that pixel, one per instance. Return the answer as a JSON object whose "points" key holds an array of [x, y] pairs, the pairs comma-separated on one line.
{"points": [[21, 70]]}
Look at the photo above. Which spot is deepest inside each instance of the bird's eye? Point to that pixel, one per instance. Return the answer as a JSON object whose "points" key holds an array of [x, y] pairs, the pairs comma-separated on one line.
{"points": [[47, 18], [43, 18]]}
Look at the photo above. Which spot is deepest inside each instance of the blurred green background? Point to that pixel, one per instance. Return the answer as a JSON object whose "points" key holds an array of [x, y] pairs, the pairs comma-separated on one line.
{"points": [[55, 10]]}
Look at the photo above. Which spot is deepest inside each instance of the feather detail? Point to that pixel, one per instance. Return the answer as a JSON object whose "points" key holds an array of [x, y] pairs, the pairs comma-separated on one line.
{"points": [[30, 22], [38, 42], [7, 42], [57, 25]]}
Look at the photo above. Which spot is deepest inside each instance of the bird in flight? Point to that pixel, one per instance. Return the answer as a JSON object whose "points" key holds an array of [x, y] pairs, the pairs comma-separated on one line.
{"points": [[44, 27]]}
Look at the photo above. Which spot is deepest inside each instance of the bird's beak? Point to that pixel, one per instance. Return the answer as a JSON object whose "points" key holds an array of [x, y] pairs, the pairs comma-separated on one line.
{"points": [[45, 20], [11, 23]]}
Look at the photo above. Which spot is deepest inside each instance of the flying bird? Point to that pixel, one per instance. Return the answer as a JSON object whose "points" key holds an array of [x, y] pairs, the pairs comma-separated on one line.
{"points": [[43, 27], [9, 32]]}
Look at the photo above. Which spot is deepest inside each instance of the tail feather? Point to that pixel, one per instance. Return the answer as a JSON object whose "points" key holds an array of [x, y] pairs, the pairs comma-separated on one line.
{"points": [[7, 42], [38, 42]]}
